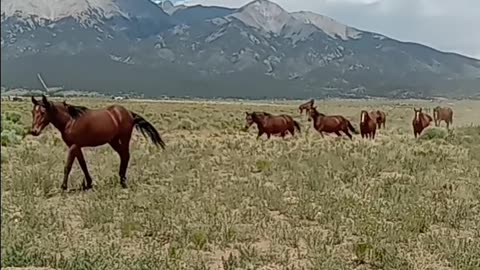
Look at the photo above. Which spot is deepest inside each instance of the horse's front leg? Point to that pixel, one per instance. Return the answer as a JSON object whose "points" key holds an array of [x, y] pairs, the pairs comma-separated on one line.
{"points": [[260, 132], [72, 152], [87, 184]]}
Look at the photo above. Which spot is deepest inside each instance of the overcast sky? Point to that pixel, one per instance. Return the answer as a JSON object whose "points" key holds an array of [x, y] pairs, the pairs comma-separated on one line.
{"points": [[447, 25]]}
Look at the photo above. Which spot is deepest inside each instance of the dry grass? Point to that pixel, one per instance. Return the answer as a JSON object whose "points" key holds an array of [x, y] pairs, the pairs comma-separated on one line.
{"points": [[218, 199]]}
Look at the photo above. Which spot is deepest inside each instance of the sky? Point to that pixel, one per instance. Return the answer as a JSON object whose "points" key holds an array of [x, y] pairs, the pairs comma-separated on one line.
{"points": [[447, 25]]}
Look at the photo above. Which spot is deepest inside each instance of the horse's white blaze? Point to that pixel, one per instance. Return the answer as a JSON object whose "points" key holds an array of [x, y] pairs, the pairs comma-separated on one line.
{"points": [[363, 117], [417, 116]]}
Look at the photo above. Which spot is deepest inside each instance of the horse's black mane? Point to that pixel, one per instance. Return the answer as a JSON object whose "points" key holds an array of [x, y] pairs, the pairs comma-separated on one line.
{"points": [[76, 111], [264, 113]]}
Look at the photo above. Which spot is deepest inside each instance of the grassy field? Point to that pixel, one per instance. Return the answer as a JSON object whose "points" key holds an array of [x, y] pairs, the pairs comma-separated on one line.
{"points": [[216, 198]]}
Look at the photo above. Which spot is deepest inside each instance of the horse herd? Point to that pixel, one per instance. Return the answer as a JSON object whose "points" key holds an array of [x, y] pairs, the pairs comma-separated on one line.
{"points": [[81, 127], [369, 121]]}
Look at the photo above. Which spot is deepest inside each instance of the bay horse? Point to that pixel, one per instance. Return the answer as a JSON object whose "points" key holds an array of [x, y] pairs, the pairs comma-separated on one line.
{"points": [[83, 127], [443, 113], [330, 123], [368, 124], [380, 116], [420, 121], [271, 124], [306, 106]]}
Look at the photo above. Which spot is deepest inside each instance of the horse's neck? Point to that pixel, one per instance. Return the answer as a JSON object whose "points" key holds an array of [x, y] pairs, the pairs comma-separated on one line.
{"points": [[60, 121], [317, 119], [261, 120]]}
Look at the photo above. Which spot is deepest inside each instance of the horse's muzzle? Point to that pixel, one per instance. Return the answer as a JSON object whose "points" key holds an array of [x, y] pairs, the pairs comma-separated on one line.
{"points": [[33, 132]]}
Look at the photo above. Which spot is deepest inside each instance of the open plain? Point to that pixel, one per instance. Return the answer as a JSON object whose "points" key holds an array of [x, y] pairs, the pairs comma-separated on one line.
{"points": [[217, 198]]}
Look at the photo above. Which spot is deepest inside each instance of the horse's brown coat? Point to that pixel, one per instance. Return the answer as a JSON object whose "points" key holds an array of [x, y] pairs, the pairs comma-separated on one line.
{"points": [[380, 118], [83, 127], [368, 124], [330, 123], [306, 106], [271, 124], [420, 121], [443, 114]]}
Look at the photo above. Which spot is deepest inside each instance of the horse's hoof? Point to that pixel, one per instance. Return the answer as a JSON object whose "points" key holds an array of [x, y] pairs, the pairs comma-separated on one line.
{"points": [[64, 187], [87, 187], [123, 183]]}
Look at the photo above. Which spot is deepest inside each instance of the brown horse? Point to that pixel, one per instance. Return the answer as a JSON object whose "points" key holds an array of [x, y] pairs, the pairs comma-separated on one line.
{"points": [[445, 114], [306, 106], [330, 123], [368, 124], [83, 127], [420, 121], [380, 117], [271, 124]]}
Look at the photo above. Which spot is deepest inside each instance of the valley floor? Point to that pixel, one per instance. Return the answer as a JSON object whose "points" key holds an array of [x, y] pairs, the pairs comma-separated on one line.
{"points": [[217, 198]]}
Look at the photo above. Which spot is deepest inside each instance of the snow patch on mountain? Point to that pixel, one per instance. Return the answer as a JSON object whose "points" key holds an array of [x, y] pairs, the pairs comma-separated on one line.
{"points": [[264, 15], [81, 10], [328, 25]]}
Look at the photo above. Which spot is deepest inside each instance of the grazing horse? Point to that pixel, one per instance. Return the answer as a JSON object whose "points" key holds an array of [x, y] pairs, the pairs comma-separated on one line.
{"points": [[420, 121], [83, 127], [445, 114], [368, 124], [330, 123], [271, 124], [306, 106], [380, 117]]}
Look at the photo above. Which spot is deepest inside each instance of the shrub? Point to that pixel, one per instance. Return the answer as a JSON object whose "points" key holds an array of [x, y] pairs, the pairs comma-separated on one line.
{"points": [[12, 130], [434, 133]]}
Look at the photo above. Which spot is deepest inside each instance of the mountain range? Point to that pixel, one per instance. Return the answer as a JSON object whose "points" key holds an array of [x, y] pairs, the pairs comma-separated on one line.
{"points": [[257, 51]]}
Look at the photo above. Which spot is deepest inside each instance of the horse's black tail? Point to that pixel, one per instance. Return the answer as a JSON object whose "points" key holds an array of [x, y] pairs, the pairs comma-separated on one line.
{"points": [[147, 129], [297, 125], [352, 129]]}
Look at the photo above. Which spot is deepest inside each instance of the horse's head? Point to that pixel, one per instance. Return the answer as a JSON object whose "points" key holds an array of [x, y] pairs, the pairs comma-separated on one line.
{"points": [[40, 115], [312, 113], [43, 113], [418, 112], [363, 116], [249, 120]]}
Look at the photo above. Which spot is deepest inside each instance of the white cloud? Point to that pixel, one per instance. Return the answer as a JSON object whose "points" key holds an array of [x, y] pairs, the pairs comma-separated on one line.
{"points": [[447, 25]]}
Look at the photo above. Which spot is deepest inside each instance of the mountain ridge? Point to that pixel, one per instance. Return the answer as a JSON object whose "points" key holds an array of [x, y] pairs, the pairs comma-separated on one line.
{"points": [[294, 54]]}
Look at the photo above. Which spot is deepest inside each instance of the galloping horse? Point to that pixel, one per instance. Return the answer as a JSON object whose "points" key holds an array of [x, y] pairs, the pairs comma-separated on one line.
{"points": [[83, 127], [330, 123], [306, 106], [271, 124], [380, 117], [368, 124], [445, 114], [420, 121]]}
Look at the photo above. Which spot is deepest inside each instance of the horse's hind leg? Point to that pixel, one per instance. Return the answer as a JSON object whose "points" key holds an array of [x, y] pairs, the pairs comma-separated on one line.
{"points": [[338, 133], [87, 184], [292, 131], [121, 146]]}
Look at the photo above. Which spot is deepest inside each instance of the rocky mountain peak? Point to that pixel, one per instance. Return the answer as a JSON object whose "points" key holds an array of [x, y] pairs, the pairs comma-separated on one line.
{"points": [[81, 10], [265, 15], [328, 25]]}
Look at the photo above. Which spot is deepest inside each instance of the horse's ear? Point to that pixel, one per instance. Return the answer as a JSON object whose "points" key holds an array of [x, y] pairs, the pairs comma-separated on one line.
{"points": [[46, 103], [247, 113], [34, 101]]}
